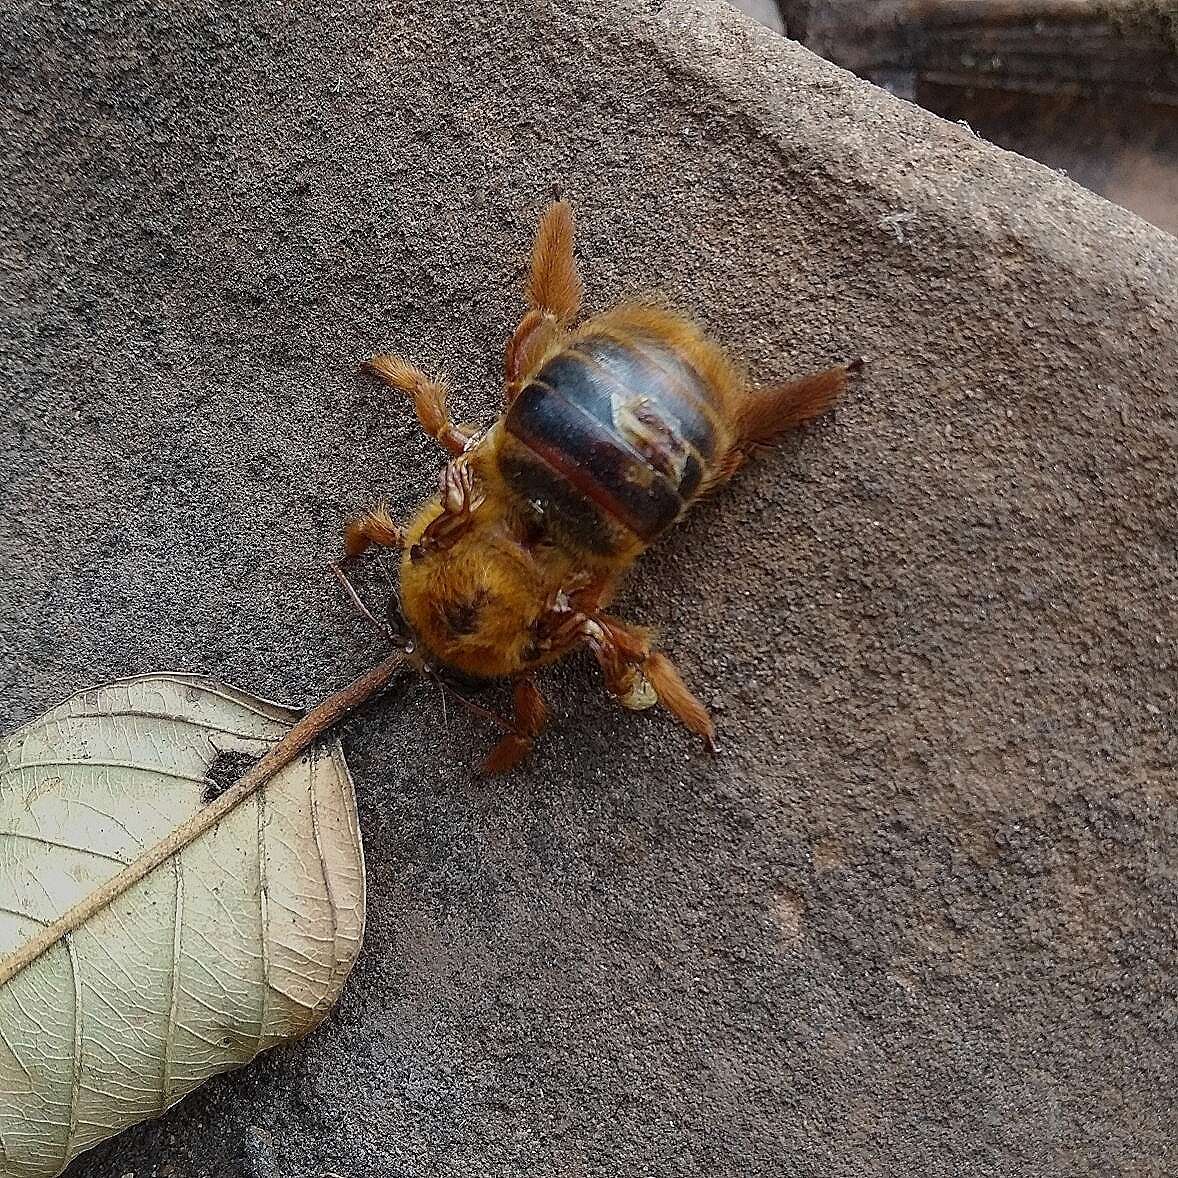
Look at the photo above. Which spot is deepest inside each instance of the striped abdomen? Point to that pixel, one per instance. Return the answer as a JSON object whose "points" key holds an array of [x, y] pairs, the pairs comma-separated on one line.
{"points": [[612, 438]]}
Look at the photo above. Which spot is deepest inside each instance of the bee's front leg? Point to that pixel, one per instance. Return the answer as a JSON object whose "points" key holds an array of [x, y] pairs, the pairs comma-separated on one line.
{"points": [[375, 528], [461, 495], [428, 397], [531, 714]]}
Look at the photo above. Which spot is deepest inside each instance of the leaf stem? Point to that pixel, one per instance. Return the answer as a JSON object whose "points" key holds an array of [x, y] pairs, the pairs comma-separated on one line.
{"points": [[305, 733]]}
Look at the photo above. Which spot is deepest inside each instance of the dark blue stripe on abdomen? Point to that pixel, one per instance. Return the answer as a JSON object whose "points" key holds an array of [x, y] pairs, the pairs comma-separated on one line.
{"points": [[672, 387], [628, 429]]}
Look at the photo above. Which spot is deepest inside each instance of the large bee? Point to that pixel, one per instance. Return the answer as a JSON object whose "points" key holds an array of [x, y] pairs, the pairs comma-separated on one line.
{"points": [[610, 432]]}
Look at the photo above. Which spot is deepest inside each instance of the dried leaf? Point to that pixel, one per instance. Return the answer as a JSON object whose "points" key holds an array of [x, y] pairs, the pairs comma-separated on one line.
{"points": [[238, 941]]}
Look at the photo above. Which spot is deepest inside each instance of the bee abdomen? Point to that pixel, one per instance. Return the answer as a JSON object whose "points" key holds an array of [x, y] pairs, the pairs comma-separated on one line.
{"points": [[615, 433]]}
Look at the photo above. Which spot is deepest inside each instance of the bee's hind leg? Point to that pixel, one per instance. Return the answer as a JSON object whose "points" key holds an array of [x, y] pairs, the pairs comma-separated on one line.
{"points": [[769, 411], [531, 714], [640, 677], [554, 297], [428, 397]]}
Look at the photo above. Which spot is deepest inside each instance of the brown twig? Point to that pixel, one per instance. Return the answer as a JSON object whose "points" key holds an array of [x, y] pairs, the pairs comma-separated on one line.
{"points": [[309, 729]]}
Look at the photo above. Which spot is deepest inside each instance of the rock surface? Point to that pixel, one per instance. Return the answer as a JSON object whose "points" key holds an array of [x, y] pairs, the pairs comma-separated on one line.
{"points": [[922, 916]]}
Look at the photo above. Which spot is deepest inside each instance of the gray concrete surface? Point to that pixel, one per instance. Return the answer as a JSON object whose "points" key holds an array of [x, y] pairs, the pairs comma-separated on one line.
{"points": [[920, 918]]}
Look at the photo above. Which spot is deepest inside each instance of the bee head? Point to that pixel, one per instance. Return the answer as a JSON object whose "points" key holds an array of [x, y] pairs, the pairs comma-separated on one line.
{"points": [[470, 593]]}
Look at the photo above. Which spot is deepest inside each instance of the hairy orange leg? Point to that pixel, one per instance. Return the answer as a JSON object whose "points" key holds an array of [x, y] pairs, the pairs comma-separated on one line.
{"points": [[768, 412], [623, 652], [531, 714], [554, 297], [375, 528], [428, 396]]}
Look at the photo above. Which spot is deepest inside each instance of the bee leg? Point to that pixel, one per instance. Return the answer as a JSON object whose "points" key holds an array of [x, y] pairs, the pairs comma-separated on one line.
{"points": [[555, 284], [461, 495], [531, 714], [554, 297], [428, 397], [630, 667], [675, 695], [767, 413], [377, 528]]}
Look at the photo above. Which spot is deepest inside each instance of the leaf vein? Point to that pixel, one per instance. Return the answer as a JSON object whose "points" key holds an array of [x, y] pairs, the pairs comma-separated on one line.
{"points": [[36, 838], [76, 1074], [174, 981], [20, 1006], [26, 915], [332, 904], [263, 920], [76, 764], [183, 721], [20, 1063], [104, 814], [216, 1044], [206, 687]]}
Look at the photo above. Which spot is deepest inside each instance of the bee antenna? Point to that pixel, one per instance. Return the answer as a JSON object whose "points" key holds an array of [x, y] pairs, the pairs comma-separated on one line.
{"points": [[442, 693], [478, 709], [358, 603]]}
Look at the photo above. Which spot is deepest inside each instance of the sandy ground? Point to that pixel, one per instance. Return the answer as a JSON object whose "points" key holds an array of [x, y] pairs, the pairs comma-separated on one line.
{"points": [[921, 916]]}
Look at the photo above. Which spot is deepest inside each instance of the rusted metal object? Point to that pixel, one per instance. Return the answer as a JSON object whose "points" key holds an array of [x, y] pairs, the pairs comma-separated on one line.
{"points": [[1051, 46]]}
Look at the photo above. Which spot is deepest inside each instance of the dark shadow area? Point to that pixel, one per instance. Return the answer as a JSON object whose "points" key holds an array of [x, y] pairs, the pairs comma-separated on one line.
{"points": [[227, 768], [1086, 87], [1126, 151]]}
